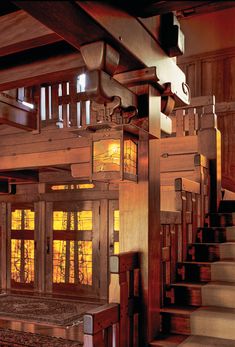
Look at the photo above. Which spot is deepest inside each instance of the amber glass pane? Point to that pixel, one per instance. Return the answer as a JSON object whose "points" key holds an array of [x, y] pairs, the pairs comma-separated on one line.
{"points": [[130, 157], [22, 220], [72, 262], [106, 155], [73, 186], [22, 260], [116, 223], [59, 261], [72, 220]]}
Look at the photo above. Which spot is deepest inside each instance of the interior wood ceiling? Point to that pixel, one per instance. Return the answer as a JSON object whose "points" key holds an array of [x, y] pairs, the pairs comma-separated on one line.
{"points": [[148, 8]]}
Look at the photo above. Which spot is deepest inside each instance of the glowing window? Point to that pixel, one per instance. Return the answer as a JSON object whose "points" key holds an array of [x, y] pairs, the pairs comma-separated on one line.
{"points": [[73, 186], [22, 261], [72, 220], [22, 220], [72, 259]]}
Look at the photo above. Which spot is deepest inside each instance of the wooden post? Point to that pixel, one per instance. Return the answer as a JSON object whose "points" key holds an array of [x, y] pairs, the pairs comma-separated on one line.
{"points": [[3, 247], [210, 146], [140, 220]]}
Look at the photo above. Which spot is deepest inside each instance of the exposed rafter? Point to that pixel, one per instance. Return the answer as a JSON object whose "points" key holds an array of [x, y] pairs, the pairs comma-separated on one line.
{"points": [[87, 21], [22, 32]]}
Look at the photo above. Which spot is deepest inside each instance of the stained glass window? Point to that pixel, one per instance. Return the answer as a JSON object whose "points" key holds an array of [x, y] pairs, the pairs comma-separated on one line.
{"points": [[22, 250], [22, 261], [72, 259], [22, 220]]}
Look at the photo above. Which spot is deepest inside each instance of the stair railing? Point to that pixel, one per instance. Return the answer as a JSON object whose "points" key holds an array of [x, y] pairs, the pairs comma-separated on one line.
{"points": [[117, 324]]}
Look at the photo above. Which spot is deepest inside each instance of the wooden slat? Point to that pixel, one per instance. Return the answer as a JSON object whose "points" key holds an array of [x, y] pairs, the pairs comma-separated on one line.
{"points": [[34, 160], [172, 163], [187, 185], [21, 32], [170, 217], [174, 145]]}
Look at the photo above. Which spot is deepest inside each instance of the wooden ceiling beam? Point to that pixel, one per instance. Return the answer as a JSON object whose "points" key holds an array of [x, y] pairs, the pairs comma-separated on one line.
{"points": [[88, 21], [41, 71], [22, 32]]}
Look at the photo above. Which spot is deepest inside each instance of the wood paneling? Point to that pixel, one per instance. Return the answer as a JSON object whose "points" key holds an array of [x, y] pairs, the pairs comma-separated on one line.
{"points": [[214, 74]]}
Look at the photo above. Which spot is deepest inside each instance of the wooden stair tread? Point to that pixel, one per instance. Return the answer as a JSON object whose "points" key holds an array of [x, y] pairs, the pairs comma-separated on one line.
{"points": [[202, 341], [168, 340], [197, 262], [181, 310], [188, 284]]}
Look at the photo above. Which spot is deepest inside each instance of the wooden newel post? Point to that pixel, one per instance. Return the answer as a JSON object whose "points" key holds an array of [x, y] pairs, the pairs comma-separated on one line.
{"points": [[210, 146], [126, 265]]}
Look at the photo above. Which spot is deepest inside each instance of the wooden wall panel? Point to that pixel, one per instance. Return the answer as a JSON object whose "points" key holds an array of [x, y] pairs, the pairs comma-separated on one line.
{"points": [[214, 74]]}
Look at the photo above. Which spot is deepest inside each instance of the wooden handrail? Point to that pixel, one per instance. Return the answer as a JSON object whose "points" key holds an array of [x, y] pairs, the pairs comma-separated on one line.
{"points": [[100, 326]]}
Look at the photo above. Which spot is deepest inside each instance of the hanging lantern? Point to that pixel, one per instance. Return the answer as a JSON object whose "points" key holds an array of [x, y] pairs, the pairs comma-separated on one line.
{"points": [[114, 155]]}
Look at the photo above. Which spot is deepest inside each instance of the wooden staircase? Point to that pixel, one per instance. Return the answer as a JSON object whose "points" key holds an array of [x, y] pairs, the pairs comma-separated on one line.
{"points": [[201, 302]]}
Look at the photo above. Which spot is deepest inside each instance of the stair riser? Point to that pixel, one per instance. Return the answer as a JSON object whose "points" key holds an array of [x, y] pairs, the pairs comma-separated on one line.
{"points": [[222, 220], [183, 296], [193, 273], [220, 296], [209, 235], [202, 252], [227, 206], [175, 324]]}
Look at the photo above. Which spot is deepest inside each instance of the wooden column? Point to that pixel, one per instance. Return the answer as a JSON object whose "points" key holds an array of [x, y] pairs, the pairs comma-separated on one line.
{"points": [[139, 206], [49, 248], [40, 243], [3, 247]]}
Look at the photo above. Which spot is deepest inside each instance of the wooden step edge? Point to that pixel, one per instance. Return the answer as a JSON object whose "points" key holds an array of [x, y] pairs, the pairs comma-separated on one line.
{"points": [[168, 340], [187, 284], [178, 310], [206, 243], [196, 262]]}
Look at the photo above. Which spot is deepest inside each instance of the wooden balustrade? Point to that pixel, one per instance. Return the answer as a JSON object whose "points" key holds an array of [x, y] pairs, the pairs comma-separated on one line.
{"points": [[178, 228], [117, 325]]}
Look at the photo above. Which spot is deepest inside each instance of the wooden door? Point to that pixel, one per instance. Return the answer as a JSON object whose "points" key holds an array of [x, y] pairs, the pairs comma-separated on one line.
{"points": [[76, 248], [22, 247]]}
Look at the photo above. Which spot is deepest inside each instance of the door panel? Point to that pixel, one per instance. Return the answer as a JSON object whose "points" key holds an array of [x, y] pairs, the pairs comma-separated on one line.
{"points": [[76, 248], [22, 247]]}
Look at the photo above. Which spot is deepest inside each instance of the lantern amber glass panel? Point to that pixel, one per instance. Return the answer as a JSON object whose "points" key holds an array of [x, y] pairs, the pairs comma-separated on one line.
{"points": [[114, 158], [107, 155]]}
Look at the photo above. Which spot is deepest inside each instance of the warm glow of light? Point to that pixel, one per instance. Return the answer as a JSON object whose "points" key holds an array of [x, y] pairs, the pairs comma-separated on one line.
{"points": [[22, 251], [22, 220], [130, 157], [73, 186], [72, 260], [106, 155]]}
